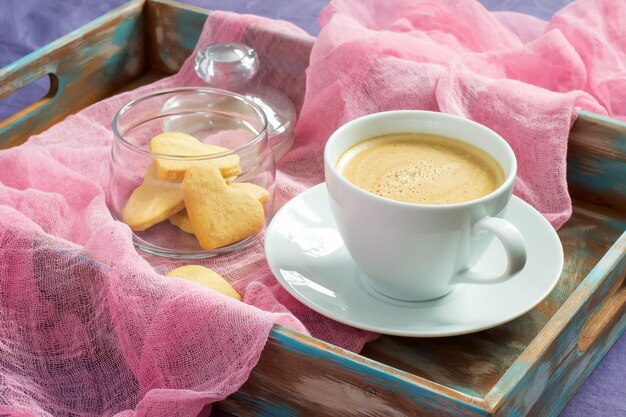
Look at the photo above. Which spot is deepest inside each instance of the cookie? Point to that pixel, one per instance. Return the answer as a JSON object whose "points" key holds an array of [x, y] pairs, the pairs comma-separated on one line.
{"points": [[259, 192], [205, 276], [181, 219], [152, 202], [184, 145], [220, 214]]}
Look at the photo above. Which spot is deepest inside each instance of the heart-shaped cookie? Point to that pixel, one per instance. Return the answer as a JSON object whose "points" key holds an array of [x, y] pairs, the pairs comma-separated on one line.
{"points": [[220, 214], [182, 145], [181, 219], [205, 276], [259, 192], [152, 202]]}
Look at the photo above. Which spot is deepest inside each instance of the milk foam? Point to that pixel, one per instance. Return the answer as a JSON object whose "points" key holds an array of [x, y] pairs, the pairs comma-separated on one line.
{"points": [[421, 168]]}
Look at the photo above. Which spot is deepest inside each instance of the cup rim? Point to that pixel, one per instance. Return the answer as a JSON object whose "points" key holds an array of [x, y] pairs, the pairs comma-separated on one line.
{"points": [[120, 112], [506, 185]]}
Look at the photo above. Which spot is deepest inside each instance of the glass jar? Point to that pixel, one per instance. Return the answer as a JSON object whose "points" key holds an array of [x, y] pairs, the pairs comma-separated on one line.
{"points": [[214, 117]]}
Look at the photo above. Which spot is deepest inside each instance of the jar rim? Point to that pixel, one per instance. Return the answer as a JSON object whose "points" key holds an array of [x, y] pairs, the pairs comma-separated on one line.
{"points": [[206, 90]]}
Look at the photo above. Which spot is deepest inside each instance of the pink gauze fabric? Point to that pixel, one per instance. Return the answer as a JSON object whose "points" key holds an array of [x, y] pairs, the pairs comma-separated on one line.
{"points": [[90, 327], [520, 76]]}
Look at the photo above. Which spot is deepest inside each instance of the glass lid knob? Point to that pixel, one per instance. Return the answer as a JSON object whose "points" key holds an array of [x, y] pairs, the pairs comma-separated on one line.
{"points": [[226, 64]]}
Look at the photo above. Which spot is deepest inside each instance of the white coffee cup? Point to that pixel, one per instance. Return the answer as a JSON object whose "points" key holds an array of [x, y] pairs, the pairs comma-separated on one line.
{"points": [[417, 252]]}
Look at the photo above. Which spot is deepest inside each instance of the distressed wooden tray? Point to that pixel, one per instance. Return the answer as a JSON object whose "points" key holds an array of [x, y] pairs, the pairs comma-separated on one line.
{"points": [[531, 366]]}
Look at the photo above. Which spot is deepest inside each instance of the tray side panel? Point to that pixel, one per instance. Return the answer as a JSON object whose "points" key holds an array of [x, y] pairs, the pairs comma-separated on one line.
{"points": [[86, 65], [172, 32], [556, 363], [300, 376], [578, 365], [596, 168]]}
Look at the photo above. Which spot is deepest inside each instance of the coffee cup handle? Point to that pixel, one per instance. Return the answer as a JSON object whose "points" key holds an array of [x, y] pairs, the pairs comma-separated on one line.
{"points": [[515, 248]]}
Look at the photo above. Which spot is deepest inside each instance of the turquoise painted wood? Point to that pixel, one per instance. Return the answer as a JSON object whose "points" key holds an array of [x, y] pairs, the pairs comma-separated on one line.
{"points": [[86, 65], [531, 366], [548, 373], [597, 159], [308, 375], [173, 33]]}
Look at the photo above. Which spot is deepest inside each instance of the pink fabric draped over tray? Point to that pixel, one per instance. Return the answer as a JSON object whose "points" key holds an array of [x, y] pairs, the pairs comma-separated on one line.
{"points": [[89, 326]]}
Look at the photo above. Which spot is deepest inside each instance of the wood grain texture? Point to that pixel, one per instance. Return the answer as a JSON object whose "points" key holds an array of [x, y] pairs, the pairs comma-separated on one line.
{"points": [[613, 306], [596, 168], [172, 32], [552, 368], [88, 65], [301, 376]]}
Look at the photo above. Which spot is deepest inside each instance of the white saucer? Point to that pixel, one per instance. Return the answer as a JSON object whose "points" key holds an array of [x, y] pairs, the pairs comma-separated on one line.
{"points": [[309, 259]]}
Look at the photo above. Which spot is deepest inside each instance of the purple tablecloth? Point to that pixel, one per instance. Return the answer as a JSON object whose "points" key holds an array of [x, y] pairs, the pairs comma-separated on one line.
{"points": [[30, 24]]}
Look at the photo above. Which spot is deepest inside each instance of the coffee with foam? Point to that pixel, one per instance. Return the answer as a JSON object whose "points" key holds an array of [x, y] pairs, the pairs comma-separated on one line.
{"points": [[421, 168]]}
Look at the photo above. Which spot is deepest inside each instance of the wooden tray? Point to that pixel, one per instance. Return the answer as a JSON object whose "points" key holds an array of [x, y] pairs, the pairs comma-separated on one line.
{"points": [[531, 366]]}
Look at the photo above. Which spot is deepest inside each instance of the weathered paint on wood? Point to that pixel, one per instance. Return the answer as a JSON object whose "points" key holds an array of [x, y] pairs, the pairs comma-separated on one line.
{"points": [[87, 65], [597, 160], [531, 366], [603, 318], [548, 373], [298, 375], [173, 31]]}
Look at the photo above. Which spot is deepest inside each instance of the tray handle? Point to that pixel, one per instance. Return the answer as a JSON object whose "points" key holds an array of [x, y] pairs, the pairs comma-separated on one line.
{"points": [[84, 66], [23, 77], [612, 310]]}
